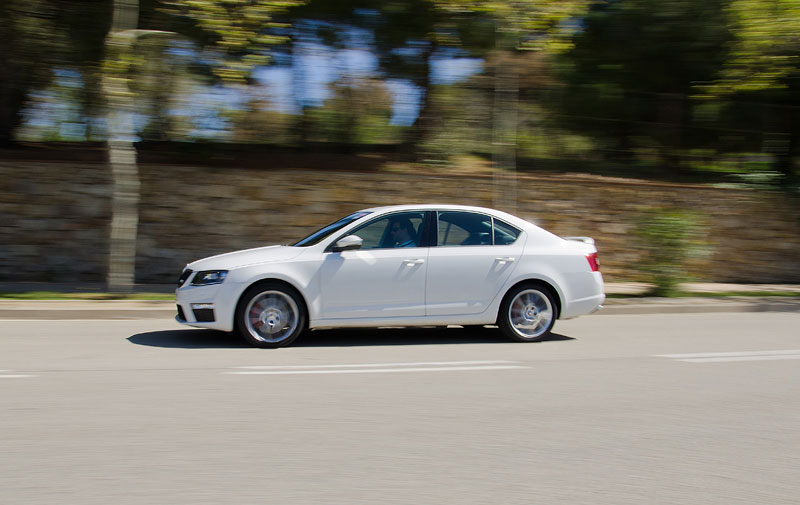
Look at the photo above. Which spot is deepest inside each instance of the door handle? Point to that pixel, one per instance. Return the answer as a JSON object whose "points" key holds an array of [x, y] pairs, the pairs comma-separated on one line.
{"points": [[414, 262], [507, 259]]}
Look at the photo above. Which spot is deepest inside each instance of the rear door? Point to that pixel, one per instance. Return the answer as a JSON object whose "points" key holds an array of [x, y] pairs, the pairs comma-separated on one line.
{"points": [[473, 257]]}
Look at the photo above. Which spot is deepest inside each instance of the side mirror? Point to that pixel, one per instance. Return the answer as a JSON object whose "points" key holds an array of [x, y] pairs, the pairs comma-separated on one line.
{"points": [[348, 243]]}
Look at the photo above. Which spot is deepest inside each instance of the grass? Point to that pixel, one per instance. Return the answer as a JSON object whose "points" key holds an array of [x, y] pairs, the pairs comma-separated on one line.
{"points": [[54, 295], [713, 294]]}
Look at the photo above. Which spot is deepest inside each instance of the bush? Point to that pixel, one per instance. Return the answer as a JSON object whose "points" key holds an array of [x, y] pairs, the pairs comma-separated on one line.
{"points": [[667, 239]]}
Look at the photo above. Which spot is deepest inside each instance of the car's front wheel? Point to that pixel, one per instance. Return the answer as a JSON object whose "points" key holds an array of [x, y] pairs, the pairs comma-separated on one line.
{"points": [[270, 315], [527, 313]]}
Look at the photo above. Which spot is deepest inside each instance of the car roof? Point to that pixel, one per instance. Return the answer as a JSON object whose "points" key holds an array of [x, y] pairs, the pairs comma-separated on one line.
{"points": [[431, 206]]}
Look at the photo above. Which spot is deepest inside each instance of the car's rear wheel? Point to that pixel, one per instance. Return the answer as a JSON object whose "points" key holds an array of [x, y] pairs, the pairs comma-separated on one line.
{"points": [[270, 315], [527, 313]]}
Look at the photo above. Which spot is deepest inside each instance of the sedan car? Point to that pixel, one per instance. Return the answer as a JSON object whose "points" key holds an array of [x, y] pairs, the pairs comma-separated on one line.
{"points": [[406, 265]]}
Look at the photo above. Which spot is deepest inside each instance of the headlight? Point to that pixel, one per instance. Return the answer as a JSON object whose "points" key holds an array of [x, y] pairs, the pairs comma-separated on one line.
{"points": [[209, 277]]}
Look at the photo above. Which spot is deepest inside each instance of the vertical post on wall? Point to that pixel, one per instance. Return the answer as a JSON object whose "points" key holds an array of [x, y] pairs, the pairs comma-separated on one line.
{"points": [[122, 160], [504, 128], [121, 151]]}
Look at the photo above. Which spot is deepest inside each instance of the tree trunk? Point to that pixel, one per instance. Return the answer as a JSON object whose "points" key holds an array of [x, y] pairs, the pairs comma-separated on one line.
{"points": [[122, 153], [416, 133], [11, 102], [780, 139]]}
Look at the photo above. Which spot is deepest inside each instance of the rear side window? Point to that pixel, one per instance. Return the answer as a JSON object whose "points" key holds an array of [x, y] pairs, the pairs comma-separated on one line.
{"points": [[455, 228], [464, 228]]}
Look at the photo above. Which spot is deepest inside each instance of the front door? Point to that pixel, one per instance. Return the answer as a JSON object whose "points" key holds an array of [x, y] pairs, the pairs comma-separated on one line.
{"points": [[385, 278]]}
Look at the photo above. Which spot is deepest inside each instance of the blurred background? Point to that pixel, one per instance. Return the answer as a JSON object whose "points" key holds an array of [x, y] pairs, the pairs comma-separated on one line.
{"points": [[138, 135]]}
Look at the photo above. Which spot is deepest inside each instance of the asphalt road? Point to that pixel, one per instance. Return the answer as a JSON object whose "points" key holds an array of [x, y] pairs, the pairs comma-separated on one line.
{"points": [[615, 409]]}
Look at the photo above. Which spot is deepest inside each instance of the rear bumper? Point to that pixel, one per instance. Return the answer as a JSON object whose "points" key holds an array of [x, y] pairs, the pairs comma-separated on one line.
{"points": [[584, 306]]}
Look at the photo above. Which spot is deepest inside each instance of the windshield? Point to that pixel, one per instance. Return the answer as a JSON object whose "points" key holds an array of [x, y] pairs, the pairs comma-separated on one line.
{"points": [[320, 234]]}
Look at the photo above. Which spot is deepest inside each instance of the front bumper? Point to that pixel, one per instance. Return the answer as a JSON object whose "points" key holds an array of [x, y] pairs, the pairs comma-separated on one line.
{"points": [[206, 306], [200, 313]]}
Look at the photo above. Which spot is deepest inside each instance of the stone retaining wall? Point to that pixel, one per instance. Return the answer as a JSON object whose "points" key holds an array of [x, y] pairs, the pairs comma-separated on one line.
{"points": [[55, 216]]}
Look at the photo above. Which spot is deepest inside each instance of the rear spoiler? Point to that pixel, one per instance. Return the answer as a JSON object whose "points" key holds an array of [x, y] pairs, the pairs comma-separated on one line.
{"points": [[585, 240]]}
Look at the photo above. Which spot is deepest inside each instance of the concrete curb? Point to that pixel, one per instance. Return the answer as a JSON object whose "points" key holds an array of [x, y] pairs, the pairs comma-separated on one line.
{"points": [[67, 310]]}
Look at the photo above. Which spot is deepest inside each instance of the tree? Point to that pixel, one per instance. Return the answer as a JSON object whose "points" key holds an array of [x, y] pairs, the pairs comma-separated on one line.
{"points": [[38, 35], [239, 32], [764, 65], [238, 39], [358, 113], [766, 48], [526, 25], [404, 40], [631, 72]]}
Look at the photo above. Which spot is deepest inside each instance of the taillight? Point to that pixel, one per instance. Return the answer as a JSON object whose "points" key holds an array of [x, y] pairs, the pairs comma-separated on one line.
{"points": [[593, 263]]}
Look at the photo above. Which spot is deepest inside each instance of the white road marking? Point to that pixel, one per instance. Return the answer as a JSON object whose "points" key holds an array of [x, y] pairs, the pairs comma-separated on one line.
{"points": [[422, 366], [724, 357], [5, 375], [378, 370], [379, 365]]}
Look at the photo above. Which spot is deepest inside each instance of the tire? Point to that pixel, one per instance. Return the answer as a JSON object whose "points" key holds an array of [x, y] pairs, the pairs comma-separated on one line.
{"points": [[271, 315], [528, 313]]}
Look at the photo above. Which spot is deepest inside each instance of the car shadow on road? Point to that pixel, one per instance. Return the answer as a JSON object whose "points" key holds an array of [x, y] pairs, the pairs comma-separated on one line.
{"points": [[189, 339], [405, 336], [353, 337]]}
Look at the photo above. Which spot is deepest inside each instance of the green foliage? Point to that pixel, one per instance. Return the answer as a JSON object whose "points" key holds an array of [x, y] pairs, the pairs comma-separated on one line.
{"points": [[524, 25], [37, 36], [763, 69], [705, 91], [667, 239], [463, 124], [358, 113], [766, 49], [464, 127], [658, 46], [240, 31], [631, 71]]}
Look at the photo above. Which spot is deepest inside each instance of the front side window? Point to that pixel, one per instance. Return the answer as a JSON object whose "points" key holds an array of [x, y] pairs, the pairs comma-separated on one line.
{"points": [[403, 229]]}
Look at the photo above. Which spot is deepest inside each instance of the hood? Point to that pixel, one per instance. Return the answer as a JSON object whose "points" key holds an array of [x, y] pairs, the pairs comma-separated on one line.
{"points": [[247, 257]]}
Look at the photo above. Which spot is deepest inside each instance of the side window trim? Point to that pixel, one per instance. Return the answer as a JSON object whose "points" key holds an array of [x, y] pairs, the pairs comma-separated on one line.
{"points": [[428, 238]]}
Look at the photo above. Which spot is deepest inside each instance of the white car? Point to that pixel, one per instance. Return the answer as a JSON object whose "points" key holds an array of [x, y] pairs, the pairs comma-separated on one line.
{"points": [[405, 265]]}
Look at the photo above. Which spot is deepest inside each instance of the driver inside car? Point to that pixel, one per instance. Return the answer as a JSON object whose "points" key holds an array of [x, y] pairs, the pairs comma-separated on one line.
{"points": [[401, 231]]}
